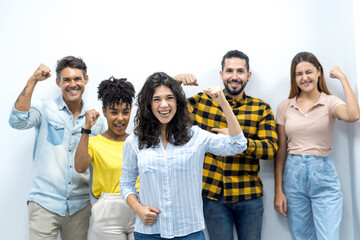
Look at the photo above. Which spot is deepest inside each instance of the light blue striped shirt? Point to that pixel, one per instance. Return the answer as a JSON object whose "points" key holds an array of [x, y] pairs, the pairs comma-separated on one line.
{"points": [[171, 179]]}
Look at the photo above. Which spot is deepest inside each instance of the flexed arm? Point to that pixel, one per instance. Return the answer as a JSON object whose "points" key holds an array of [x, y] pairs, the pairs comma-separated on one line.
{"points": [[217, 94], [82, 156], [187, 79], [349, 112], [23, 102]]}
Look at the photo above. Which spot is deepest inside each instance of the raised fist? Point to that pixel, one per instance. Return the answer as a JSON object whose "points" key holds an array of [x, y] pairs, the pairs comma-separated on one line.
{"points": [[90, 118], [187, 79], [336, 73], [42, 73], [216, 93]]}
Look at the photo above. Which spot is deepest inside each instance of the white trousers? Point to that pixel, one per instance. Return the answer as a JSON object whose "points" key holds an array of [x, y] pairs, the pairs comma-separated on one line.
{"points": [[112, 218]]}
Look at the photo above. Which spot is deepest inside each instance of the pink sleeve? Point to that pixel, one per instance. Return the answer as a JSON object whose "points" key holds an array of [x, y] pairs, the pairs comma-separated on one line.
{"points": [[334, 102], [280, 112]]}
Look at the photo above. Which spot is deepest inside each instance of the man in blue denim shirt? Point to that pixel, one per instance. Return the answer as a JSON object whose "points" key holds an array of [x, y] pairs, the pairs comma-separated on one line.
{"points": [[59, 197]]}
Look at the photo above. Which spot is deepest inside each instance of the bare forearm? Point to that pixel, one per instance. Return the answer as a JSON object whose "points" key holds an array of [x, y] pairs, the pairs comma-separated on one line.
{"points": [[280, 157], [23, 102], [232, 121], [134, 203], [279, 168], [82, 157]]}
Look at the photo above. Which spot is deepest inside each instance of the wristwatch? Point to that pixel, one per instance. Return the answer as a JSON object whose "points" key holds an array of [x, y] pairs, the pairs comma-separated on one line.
{"points": [[87, 131]]}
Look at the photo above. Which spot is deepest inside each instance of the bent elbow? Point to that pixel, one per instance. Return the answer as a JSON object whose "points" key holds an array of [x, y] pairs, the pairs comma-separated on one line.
{"points": [[354, 118], [357, 117], [79, 169]]}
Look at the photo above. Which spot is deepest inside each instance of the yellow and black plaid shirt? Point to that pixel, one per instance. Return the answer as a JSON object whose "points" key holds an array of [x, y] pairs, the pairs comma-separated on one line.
{"points": [[236, 177]]}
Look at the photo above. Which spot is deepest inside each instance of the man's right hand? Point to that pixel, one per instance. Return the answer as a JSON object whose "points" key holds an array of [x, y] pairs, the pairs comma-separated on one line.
{"points": [[41, 73], [187, 79]]}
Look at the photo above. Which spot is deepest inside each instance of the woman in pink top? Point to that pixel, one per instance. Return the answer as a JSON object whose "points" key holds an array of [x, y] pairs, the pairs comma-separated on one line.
{"points": [[307, 187]]}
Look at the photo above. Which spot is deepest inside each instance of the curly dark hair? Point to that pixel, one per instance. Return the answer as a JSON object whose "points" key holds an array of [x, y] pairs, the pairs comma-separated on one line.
{"points": [[147, 126], [116, 91]]}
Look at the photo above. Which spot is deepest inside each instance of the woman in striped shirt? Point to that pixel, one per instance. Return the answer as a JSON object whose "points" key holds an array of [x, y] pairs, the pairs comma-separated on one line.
{"points": [[168, 153]]}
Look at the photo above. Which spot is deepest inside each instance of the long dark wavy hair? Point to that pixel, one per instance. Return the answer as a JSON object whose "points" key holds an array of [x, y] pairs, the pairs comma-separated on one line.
{"points": [[147, 126]]}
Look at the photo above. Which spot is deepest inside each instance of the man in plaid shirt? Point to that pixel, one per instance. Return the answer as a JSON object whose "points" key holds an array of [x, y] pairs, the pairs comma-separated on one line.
{"points": [[232, 189]]}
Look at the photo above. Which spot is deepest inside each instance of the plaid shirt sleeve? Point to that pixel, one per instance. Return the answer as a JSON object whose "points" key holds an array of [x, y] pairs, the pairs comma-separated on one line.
{"points": [[263, 144]]}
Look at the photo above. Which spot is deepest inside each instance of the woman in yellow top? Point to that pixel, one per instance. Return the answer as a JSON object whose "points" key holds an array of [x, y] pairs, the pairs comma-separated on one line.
{"points": [[112, 217]]}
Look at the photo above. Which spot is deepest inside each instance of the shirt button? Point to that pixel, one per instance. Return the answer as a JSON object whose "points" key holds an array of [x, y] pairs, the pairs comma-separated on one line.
{"points": [[70, 166], [70, 150], [69, 183], [73, 134]]}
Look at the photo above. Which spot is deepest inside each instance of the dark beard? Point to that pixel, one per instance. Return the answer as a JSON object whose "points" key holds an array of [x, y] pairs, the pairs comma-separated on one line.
{"points": [[235, 92]]}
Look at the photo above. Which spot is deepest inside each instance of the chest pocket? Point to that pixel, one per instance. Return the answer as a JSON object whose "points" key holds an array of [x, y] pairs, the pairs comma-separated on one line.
{"points": [[186, 159], [56, 132]]}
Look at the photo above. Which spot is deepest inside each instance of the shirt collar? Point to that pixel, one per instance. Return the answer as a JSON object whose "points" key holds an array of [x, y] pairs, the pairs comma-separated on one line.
{"points": [[320, 101], [235, 101], [62, 105]]}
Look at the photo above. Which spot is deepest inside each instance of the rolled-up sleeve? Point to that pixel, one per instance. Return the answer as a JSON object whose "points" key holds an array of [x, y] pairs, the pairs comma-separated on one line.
{"points": [[224, 145], [24, 120], [130, 171]]}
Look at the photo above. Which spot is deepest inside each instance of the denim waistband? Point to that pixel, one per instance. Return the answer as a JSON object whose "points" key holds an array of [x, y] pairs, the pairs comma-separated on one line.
{"points": [[308, 158]]}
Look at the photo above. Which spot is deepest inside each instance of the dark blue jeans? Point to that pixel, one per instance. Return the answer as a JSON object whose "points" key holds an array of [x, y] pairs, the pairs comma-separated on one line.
{"points": [[246, 215], [193, 236]]}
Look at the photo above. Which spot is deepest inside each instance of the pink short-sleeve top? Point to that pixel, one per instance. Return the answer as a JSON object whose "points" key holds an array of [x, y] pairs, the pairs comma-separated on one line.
{"points": [[309, 133]]}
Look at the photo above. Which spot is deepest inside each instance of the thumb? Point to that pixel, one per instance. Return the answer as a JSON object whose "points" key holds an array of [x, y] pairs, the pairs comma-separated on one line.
{"points": [[217, 130], [155, 210]]}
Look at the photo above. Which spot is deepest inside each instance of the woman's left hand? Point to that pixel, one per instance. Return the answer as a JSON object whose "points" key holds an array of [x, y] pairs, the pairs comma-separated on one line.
{"points": [[337, 73]]}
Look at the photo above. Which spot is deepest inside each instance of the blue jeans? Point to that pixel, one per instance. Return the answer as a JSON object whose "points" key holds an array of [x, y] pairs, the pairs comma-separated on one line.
{"points": [[312, 190], [220, 218], [193, 236]]}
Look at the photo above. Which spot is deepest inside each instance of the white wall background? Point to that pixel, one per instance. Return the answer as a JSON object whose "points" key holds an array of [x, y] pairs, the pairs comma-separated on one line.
{"points": [[136, 38]]}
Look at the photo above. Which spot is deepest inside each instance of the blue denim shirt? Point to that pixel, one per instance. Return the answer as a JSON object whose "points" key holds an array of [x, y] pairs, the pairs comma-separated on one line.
{"points": [[56, 185]]}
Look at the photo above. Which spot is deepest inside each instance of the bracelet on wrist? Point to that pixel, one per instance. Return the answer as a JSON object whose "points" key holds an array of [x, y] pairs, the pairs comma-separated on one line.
{"points": [[87, 131]]}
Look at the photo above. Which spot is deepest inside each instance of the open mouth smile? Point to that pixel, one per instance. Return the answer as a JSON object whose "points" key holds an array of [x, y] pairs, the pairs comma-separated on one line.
{"points": [[119, 126], [235, 84], [164, 113]]}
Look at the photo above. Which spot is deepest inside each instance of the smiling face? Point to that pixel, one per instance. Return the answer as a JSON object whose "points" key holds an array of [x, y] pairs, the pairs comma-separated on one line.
{"points": [[307, 77], [163, 104], [72, 83], [235, 76], [117, 117]]}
